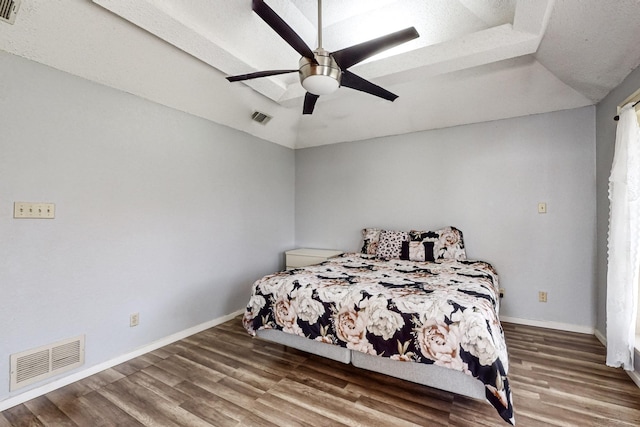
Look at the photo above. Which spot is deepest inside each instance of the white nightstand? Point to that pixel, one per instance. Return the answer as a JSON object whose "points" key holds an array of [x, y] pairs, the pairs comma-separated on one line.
{"points": [[303, 257]]}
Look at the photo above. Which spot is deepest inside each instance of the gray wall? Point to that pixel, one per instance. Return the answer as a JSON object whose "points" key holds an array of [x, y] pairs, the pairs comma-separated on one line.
{"points": [[605, 143], [485, 179], [158, 212]]}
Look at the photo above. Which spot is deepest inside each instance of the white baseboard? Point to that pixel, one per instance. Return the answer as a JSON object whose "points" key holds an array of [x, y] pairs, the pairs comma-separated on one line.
{"points": [[601, 337], [634, 376], [77, 376], [550, 325]]}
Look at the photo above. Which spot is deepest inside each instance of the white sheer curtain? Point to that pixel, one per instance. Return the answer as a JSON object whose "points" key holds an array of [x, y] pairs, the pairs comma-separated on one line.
{"points": [[624, 236]]}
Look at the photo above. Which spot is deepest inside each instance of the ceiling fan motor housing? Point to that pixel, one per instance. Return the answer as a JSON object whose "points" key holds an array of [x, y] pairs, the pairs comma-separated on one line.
{"points": [[322, 78]]}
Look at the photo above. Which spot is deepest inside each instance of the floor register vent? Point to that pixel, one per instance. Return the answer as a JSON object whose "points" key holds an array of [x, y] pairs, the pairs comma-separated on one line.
{"points": [[8, 10], [34, 365]]}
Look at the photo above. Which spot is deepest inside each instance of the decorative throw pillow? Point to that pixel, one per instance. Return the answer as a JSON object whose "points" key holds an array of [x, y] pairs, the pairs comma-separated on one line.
{"points": [[417, 251], [447, 242], [370, 238], [390, 243], [450, 244]]}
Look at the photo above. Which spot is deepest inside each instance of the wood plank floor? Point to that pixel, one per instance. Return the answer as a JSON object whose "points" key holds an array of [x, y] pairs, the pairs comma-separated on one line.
{"points": [[222, 377]]}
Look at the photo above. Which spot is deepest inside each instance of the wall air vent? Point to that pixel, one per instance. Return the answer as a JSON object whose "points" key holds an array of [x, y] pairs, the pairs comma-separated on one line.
{"points": [[8, 10], [261, 118], [34, 365]]}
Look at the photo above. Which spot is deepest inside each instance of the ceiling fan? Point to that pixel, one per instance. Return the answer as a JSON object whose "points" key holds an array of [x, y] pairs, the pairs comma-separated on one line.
{"points": [[322, 72]]}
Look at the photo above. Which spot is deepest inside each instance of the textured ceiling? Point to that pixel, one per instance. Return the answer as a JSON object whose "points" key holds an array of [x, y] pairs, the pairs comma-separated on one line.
{"points": [[475, 60]]}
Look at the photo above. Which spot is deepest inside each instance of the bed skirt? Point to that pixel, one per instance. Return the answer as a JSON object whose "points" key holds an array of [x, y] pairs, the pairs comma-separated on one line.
{"points": [[429, 375]]}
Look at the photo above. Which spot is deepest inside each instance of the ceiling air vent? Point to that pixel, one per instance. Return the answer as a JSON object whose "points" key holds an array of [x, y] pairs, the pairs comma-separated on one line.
{"points": [[261, 118], [8, 10], [34, 365]]}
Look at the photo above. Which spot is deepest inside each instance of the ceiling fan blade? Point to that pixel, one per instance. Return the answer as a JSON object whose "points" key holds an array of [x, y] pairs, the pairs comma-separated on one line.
{"points": [[352, 55], [259, 74], [309, 103], [282, 28], [356, 82]]}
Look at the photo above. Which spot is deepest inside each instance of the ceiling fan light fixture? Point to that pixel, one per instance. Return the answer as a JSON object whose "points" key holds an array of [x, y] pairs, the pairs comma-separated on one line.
{"points": [[321, 77], [320, 84]]}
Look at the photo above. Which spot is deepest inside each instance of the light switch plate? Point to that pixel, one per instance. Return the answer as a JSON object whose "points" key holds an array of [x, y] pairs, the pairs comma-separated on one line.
{"points": [[34, 210]]}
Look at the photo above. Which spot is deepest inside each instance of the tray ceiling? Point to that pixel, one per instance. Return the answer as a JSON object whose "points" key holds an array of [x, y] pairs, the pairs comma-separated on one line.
{"points": [[475, 60]]}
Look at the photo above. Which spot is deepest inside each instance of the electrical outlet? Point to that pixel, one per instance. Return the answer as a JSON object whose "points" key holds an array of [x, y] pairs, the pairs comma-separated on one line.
{"points": [[542, 207], [542, 296], [502, 291], [134, 319]]}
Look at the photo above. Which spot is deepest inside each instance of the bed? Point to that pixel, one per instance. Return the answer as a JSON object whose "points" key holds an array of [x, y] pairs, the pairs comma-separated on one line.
{"points": [[410, 305]]}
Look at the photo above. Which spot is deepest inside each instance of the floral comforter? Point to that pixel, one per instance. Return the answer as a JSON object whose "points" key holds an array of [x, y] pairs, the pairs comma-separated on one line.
{"points": [[443, 313]]}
